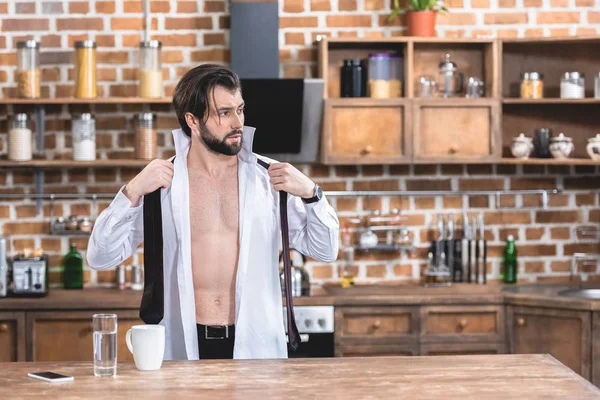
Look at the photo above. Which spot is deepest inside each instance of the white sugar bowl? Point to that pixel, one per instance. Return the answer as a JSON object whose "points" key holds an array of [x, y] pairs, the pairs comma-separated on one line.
{"points": [[561, 146], [521, 147], [593, 147]]}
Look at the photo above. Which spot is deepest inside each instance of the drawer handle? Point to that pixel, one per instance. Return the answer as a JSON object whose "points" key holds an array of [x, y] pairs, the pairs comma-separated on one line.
{"points": [[453, 150], [3, 328], [521, 321], [462, 324], [367, 150], [376, 324]]}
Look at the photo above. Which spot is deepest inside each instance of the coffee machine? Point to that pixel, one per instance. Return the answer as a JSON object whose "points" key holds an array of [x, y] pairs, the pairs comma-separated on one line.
{"points": [[30, 274]]}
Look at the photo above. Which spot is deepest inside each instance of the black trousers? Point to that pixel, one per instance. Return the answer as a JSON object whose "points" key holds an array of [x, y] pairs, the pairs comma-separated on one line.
{"points": [[215, 342]]}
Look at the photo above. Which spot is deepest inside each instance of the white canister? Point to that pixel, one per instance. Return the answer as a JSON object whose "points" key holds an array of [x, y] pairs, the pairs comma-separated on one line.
{"points": [[572, 85], [84, 137], [19, 139]]}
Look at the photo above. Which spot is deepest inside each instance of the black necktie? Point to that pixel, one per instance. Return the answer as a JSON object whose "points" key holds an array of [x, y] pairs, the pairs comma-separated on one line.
{"points": [[152, 307]]}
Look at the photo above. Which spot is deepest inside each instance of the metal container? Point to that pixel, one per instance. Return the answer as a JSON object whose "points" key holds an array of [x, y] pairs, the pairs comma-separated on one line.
{"points": [[137, 281], [451, 80], [84, 137], [475, 88], [28, 69]]}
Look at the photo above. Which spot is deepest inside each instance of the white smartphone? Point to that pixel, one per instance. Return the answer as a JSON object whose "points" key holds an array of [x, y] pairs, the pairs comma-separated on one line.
{"points": [[50, 376]]}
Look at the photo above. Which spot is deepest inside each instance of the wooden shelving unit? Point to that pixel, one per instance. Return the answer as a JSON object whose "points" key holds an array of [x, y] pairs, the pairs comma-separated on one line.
{"points": [[72, 164], [98, 100], [459, 130]]}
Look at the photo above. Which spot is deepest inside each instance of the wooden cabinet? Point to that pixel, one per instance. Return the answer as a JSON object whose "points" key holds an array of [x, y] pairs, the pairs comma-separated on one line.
{"points": [[363, 350], [462, 324], [456, 130], [377, 324], [68, 336], [447, 349], [564, 334], [12, 336], [364, 131]]}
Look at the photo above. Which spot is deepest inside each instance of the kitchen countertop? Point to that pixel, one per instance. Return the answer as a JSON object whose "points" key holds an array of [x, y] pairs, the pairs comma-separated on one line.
{"points": [[452, 377], [542, 295]]}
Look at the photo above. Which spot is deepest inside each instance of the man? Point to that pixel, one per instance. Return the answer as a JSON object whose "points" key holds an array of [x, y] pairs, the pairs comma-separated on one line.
{"points": [[220, 225]]}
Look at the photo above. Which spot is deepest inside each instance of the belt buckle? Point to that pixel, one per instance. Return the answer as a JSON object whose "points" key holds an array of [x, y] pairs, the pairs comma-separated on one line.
{"points": [[216, 337]]}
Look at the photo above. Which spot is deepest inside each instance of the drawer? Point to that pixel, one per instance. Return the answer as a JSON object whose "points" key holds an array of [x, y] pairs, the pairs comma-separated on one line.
{"points": [[453, 349], [366, 131], [455, 130], [462, 323], [376, 324], [361, 350]]}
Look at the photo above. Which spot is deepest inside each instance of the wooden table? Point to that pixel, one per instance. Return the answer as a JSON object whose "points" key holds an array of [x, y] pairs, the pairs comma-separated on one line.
{"points": [[451, 377]]}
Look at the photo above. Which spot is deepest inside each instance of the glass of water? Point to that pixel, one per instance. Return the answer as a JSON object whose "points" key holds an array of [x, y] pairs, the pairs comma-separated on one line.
{"points": [[105, 344]]}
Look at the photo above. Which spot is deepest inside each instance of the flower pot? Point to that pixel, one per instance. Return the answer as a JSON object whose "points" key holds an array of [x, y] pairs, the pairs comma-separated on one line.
{"points": [[421, 23]]}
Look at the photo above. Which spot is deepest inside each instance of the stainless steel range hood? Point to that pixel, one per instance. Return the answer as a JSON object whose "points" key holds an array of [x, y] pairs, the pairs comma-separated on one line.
{"points": [[254, 38]]}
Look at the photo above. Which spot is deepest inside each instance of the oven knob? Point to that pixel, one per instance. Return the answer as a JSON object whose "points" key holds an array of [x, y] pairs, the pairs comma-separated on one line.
{"points": [[321, 322], [308, 323]]}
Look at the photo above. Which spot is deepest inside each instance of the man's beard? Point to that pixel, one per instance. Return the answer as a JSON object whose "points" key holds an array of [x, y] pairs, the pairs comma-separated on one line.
{"points": [[221, 146]]}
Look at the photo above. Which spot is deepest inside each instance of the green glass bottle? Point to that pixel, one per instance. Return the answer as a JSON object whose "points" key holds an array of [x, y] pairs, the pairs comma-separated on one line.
{"points": [[73, 269], [509, 261]]}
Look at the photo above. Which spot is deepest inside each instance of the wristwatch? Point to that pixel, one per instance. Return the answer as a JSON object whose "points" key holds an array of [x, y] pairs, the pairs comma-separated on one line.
{"points": [[318, 195]]}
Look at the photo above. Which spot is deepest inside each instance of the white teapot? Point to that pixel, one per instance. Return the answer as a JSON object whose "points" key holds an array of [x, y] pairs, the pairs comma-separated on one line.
{"points": [[561, 146], [521, 147]]}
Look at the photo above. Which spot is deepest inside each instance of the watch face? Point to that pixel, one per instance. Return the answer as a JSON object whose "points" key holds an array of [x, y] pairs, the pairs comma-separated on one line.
{"points": [[319, 194]]}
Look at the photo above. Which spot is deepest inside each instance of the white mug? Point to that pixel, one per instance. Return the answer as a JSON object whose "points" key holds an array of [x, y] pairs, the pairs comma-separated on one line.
{"points": [[147, 344]]}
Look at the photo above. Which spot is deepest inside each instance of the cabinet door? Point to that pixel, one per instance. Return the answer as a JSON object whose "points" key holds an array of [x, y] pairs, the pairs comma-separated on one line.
{"points": [[12, 336], [366, 131], [376, 325], [68, 335], [453, 349], [359, 350], [461, 324], [564, 334], [456, 130]]}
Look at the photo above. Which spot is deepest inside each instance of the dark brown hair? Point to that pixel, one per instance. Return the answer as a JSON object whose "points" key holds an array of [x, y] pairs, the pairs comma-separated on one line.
{"points": [[193, 91]]}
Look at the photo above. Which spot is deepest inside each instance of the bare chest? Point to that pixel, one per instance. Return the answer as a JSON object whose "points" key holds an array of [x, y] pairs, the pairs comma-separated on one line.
{"points": [[214, 206]]}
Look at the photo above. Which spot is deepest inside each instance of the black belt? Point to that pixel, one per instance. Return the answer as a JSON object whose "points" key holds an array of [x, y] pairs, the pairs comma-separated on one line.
{"points": [[216, 331], [152, 307]]}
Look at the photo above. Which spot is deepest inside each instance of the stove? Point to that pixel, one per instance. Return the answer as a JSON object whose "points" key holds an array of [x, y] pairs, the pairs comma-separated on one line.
{"points": [[316, 327]]}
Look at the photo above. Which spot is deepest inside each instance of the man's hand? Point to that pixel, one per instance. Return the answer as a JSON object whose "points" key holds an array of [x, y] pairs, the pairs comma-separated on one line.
{"points": [[159, 173], [287, 178]]}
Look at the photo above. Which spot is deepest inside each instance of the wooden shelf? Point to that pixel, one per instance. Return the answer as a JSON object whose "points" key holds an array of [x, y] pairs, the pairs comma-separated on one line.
{"points": [[72, 164], [548, 161], [588, 100], [98, 100]]}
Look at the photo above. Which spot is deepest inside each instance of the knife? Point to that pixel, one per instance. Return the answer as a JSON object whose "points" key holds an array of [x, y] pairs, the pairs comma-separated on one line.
{"points": [[466, 252], [450, 246], [474, 225], [483, 248], [439, 245]]}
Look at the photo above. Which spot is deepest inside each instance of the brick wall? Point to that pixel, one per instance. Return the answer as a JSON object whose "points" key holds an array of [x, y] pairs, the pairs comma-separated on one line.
{"points": [[193, 32]]}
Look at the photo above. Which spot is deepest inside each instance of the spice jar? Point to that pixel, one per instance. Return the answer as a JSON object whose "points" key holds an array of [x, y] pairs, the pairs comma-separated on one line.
{"points": [[28, 69], [572, 85], [145, 136], [532, 85], [384, 75], [85, 69], [84, 137], [150, 69], [19, 139]]}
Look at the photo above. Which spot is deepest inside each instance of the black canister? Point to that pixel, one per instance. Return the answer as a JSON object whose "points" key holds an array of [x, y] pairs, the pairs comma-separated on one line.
{"points": [[352, 79], [541, 142]]}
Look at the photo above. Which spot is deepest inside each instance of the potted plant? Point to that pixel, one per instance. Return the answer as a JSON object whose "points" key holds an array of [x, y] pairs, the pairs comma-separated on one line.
{"points": [[420, 16]]}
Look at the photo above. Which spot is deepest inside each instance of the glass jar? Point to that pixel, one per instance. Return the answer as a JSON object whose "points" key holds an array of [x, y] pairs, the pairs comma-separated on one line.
{"points": [[85, 69], [597, 85], [532, 85], [150, 69], [385, 77], [572, 85], [145, 136], [84, 137], [19, 139], [28, 69]]}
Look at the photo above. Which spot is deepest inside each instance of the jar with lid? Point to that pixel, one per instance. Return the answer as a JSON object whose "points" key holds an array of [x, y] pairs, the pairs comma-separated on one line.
{"points": [[20, 139], [532, 85], [385, 76], [145, 136], [451, 79], [84, 137], [572, 85], [85, 69], [150, 69], [28, 69]]}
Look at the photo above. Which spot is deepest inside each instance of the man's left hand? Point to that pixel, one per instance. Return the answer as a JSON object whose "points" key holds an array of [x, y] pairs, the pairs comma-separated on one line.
{"points": [[286, 177]]}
